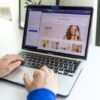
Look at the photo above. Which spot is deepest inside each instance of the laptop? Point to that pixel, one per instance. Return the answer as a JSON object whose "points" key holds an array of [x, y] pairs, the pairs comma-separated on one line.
{"points": [[58, 37]]}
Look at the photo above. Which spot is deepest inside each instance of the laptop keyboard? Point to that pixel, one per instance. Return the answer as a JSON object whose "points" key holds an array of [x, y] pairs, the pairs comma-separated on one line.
{"points": [[59, 65]]}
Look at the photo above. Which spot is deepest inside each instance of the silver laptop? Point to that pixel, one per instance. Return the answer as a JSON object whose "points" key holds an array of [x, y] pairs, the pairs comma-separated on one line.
{"points": [[58, 37]]}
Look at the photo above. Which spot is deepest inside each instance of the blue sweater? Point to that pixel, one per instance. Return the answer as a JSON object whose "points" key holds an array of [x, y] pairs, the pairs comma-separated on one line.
{"points": [[41, 94]]}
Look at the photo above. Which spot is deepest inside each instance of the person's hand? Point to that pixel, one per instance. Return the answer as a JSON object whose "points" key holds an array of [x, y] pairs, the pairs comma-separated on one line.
{"points": [[42, 78], [8, 63]]}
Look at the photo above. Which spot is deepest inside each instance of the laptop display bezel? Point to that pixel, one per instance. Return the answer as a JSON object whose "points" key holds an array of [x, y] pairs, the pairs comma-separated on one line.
{"points": [[31, 48]]}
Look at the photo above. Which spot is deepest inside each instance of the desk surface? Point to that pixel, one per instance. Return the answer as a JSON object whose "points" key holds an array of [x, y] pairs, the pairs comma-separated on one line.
{"points": [[87, 86]]}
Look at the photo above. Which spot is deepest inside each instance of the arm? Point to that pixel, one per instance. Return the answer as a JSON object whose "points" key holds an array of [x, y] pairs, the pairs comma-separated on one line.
{"points": [[41, 94]]}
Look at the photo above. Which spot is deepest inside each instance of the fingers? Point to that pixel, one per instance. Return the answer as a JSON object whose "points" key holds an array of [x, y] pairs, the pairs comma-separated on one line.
{"points": [[45, 69], [14, 65], [37, 73], [12, 58], [51, 71], [27, 81], [9, 68]]}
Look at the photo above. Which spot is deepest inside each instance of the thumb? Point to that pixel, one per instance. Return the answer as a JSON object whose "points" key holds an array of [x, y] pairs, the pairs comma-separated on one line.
{"points": [[27, 82]]}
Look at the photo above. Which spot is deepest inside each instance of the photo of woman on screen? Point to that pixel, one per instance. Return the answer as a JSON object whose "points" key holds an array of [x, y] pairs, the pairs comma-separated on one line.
{"points": [[73, 33]]}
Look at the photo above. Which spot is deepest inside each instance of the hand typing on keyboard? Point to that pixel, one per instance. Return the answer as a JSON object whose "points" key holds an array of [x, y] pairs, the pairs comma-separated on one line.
{"points": [[8, 63], [42, 79]]}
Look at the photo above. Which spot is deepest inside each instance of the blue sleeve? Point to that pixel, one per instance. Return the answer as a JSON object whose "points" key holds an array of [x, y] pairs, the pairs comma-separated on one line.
{"points": [[41, 94]]}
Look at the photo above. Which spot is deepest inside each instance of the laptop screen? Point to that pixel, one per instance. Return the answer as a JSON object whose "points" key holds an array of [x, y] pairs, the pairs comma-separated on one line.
{"points": [[58, 30]]}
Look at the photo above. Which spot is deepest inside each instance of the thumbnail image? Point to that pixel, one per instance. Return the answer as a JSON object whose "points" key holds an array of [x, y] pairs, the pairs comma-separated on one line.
{"points": [[73, 33], [55, 45], [45, 43], [65, 46], [77, 48]]}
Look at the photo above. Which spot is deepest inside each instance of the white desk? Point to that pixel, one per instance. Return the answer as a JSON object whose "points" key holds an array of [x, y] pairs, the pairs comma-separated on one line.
{"points": [[86, 88]]}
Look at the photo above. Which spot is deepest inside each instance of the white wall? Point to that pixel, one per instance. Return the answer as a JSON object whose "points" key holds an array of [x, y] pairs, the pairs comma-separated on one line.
{"points": [[91, 3], [77, 2]]}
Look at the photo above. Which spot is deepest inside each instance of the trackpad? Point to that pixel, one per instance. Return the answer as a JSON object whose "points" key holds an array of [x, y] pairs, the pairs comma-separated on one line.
{"points": [[17, 75]]}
